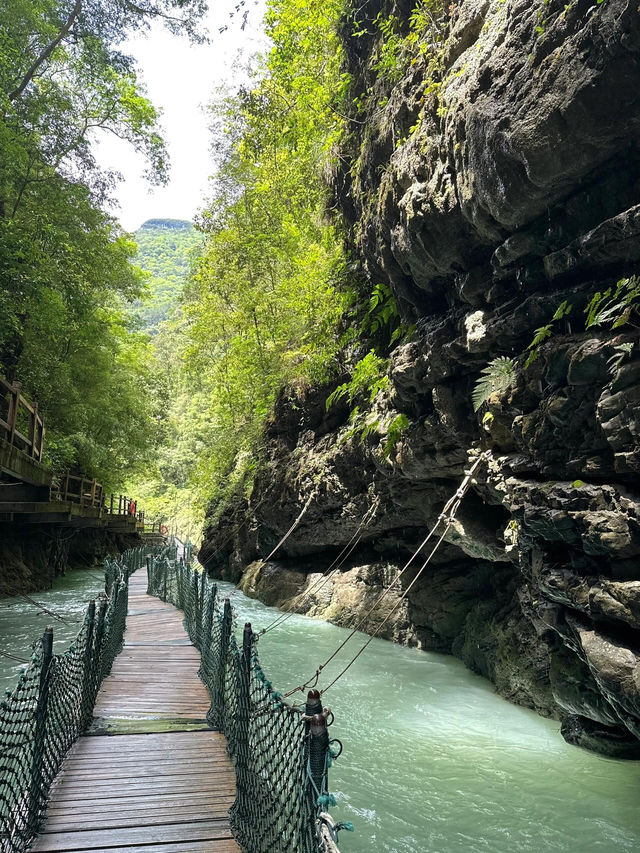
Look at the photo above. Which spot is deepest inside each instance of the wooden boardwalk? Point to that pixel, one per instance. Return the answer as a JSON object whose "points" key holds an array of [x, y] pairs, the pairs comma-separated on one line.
{"points": [[150, 776]]}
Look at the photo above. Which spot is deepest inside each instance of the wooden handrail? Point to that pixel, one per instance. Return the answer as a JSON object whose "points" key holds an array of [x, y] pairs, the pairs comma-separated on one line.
{"points": [[29, 438], [75, 488], [33, 442]]}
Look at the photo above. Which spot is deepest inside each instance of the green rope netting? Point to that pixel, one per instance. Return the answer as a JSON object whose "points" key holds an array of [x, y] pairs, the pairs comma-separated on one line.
{"points": [[281, 802], [53, 703]]}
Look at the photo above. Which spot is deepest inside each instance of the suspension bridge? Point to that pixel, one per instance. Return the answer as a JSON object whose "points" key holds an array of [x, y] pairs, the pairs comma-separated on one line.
{"points": [[157, 731]]}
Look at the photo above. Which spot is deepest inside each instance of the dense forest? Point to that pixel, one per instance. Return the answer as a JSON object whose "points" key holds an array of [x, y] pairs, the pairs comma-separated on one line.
{"points": [[66, 277]]}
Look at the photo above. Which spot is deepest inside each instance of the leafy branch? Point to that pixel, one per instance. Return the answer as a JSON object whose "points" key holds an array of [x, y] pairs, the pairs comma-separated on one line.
{"points": [[562, 311]]}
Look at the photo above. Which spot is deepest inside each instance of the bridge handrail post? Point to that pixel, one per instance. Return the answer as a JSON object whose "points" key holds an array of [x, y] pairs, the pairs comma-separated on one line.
{"points": [[99, 637], [194, 617], [203, 589], [225, 636], [40, 732], [312, 707], [88, 663], [318, 761], [165, 577], [33, 428], [14, 402], [41, 440], [242, 758]]}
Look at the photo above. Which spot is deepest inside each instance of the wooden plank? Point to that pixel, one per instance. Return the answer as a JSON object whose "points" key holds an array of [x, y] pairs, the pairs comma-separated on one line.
{"points": [[118, 802], [138, 818], [101, 839], [112, 805], [220, 846]]}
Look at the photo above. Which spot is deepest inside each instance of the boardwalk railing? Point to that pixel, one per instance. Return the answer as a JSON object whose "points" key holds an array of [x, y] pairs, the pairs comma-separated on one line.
{"points": [[20, 423], [74, 488], [281, 752], [78, 489], [53, 703]]}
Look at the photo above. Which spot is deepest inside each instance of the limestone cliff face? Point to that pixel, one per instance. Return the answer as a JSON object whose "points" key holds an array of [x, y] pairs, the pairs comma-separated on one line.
{"points": [[486, 193]]}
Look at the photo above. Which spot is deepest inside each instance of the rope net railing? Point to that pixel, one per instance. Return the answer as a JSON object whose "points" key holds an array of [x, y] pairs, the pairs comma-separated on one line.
{"points": [[281, 751], [53, 703]]}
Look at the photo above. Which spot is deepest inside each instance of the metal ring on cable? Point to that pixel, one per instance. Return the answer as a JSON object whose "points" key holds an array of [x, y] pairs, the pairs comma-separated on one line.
{"points": [[335, 740]]}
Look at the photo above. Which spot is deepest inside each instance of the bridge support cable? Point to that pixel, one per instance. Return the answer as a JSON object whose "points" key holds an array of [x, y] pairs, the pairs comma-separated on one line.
{"points": [[329, 572], [53, 703], [444, 522], [291, 529], [281, 752]]}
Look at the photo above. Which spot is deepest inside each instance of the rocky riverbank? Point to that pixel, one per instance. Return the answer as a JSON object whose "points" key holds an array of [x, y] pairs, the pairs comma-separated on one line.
{"points": [[31, 557], [487, 194]]}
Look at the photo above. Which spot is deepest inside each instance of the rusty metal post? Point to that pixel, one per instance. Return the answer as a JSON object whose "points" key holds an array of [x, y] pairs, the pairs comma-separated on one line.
{"points": [[314, 704], [318, 750]]}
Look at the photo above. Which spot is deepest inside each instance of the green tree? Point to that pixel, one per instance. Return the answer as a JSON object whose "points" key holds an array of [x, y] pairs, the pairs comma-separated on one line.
{"points": [[65, 271]]}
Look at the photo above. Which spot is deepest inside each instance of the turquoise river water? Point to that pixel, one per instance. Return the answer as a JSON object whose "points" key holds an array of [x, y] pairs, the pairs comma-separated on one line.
{"points": [[433, 762]]}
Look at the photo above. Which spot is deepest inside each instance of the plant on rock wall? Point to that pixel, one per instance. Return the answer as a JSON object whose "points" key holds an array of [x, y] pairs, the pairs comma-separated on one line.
{"points": [[614, 308], [498, 375], [368, 378], [395, 431], [562, 311]]}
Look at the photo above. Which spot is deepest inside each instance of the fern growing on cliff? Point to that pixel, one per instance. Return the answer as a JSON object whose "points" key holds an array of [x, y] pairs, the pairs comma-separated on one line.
{"points": [[498, 375], [562, 311], [367, 379], [614, 308]]}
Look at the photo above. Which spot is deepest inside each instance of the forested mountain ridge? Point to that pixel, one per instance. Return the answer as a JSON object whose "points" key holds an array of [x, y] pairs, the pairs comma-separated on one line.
{"points": [[166, 248], [167, 252]]}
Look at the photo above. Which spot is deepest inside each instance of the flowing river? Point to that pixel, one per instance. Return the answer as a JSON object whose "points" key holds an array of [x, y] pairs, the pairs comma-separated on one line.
{"points": [[433, 762]]}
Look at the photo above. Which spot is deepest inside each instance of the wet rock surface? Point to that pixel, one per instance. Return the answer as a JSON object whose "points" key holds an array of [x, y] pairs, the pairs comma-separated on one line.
{"points": [[484, 207], [30, 559]]}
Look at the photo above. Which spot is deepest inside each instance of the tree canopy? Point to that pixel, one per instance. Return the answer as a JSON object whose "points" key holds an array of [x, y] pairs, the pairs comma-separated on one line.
{"points": [[65, 271]]}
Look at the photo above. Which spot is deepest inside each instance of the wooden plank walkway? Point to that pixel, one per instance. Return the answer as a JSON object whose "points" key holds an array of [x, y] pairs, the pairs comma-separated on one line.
{"points": [[150, 776]]}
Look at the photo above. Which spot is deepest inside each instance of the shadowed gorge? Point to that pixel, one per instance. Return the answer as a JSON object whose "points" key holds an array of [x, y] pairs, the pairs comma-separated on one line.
{"points": [[486, 179], [382, 384]]}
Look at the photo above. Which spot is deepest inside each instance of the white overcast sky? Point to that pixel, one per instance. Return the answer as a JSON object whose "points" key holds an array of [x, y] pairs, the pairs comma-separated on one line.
{"points": [[180, 78]]}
